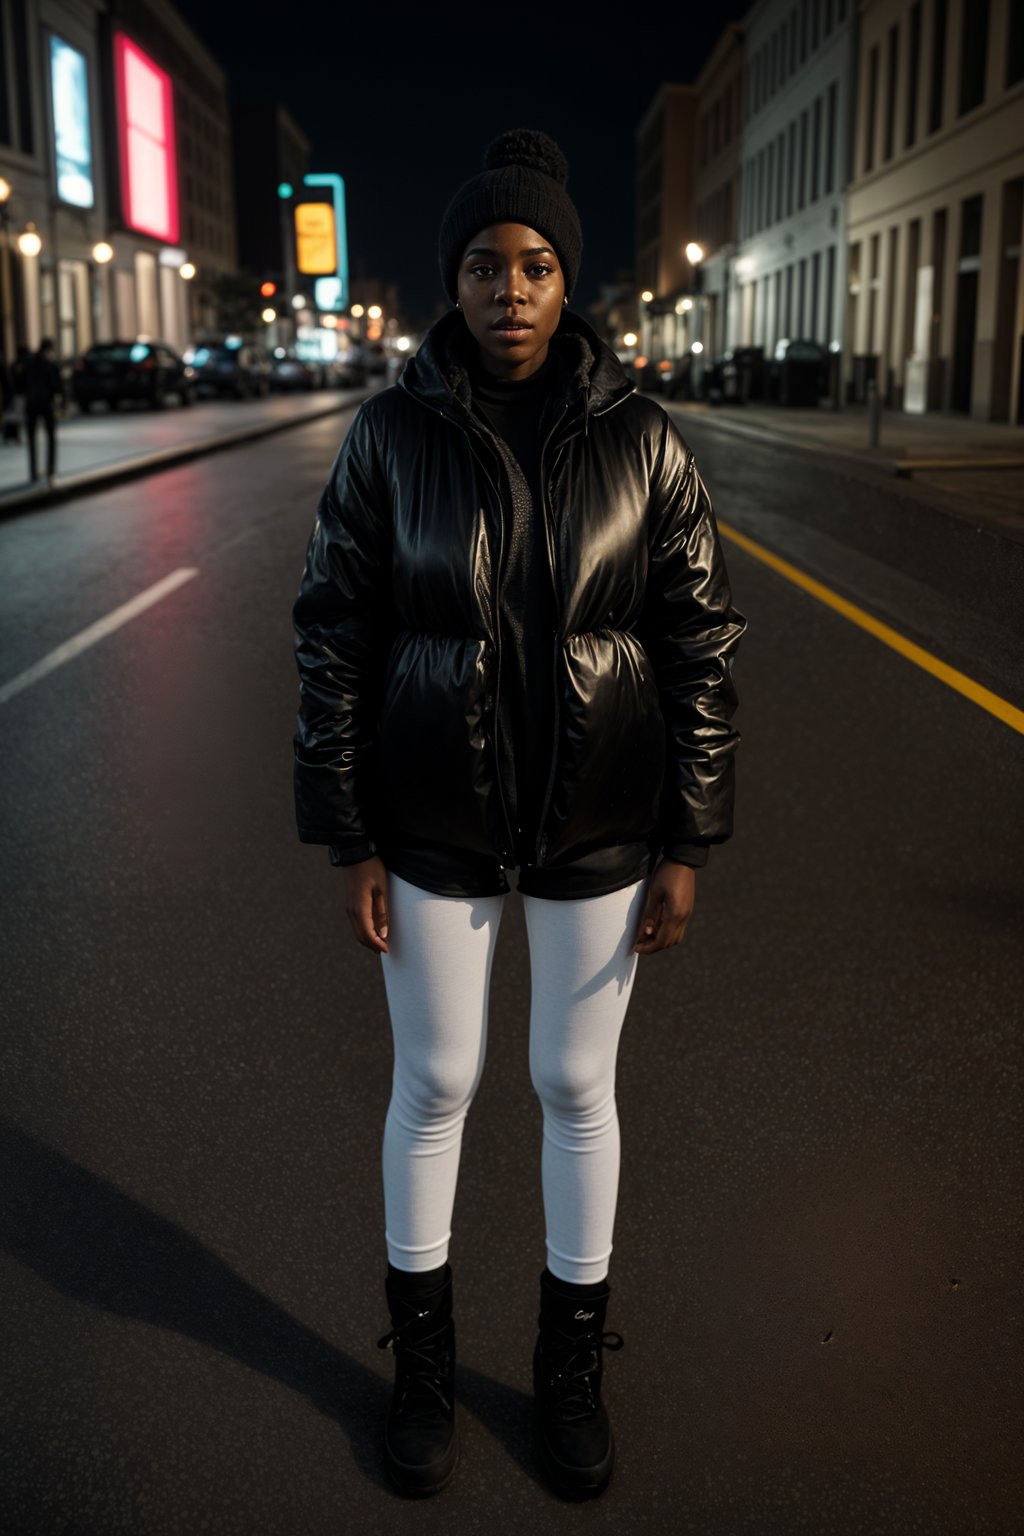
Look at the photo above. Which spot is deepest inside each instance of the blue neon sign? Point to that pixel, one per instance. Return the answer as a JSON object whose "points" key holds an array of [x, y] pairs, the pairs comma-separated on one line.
{"points": [[69, 89]]}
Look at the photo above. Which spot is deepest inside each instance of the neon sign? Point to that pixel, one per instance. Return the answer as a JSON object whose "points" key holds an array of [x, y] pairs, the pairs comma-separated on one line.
{"points": [[69, 89], [145, 132]]}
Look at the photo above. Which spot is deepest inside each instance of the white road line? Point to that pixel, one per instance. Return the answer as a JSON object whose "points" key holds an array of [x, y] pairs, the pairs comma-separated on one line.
{"points": [[94, 632]]}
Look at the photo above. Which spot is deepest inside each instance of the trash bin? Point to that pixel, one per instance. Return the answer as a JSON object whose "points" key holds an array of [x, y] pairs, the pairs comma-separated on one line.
{"points": [[865, 368], [802, 370]]}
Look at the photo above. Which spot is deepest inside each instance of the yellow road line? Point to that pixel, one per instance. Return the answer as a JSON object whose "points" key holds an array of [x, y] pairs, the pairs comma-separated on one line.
{"points": [[983, 697]]}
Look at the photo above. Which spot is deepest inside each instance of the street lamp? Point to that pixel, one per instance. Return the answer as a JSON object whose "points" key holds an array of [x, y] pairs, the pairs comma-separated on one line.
{"points": [[29, 243], [187, 270], [269, 316], [102, 252]]}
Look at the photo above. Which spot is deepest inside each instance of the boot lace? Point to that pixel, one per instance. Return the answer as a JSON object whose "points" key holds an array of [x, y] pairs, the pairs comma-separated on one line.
{"points": [[422, 1370], [572, 1370]]}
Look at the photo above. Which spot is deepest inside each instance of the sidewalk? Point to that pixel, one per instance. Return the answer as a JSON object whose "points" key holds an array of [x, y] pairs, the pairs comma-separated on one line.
{"points": [[974, 469], [107, 446]]}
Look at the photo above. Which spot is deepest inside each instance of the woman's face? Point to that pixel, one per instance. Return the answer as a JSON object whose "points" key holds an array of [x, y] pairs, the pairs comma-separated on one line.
{"points": [[508, 271]]}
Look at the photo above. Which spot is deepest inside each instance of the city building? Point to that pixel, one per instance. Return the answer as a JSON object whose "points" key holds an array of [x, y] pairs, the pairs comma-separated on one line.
{"points": [[936, 298], [790, 263], [716, 183], [664, 218], [116, 153]]}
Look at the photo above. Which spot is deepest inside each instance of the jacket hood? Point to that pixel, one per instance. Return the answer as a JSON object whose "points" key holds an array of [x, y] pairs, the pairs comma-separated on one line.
{"points": [[590, 375]]}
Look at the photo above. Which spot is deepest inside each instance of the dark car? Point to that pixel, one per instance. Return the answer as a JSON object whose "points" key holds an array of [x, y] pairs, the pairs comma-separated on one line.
{"points": [[230, 368], [798, 372], [116, 371], [289, 371]]}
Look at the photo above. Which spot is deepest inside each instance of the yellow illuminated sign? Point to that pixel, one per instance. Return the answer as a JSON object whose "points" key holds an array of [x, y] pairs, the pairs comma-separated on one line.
{"points": [[316, 251]]}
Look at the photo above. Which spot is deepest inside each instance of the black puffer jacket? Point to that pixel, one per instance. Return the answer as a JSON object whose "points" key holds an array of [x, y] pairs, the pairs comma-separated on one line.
{"points": [[398, 641]]}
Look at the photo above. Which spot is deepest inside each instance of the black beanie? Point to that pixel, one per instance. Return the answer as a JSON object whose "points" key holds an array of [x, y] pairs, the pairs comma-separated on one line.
{"points": [[524, 183]]}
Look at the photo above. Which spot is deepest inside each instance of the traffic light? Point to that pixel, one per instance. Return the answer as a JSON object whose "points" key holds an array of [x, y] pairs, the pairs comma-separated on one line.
{"points": [[268, 289]]}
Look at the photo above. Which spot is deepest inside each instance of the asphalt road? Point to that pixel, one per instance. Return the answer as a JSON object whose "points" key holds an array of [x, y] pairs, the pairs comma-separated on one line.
{"points": [[817, 1253]]}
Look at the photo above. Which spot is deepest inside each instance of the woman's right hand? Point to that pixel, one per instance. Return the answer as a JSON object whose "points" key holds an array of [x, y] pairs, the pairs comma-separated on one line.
{"points": [[366, 902]]}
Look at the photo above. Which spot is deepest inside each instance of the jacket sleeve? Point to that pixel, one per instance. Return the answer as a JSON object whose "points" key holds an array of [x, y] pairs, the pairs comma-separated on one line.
{"points": [[341, 619], [691, 632]]}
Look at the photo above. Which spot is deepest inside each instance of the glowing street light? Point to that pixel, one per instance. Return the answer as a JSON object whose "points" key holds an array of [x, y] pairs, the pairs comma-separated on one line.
{"points": [[694, 252], [358, 311], [5, 190], [29, 243], [630, 339], [299, 301], [374, 312], [187, 270], [102, 252], [268, 315], [647, 296]]}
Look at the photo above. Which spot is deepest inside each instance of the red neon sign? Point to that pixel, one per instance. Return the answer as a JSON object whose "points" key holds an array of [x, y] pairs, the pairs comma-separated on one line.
{"points": [[145, 132]]}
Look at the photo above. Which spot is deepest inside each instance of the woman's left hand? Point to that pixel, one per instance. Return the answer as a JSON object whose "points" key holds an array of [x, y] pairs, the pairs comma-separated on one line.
{"points": [[668, 908]]}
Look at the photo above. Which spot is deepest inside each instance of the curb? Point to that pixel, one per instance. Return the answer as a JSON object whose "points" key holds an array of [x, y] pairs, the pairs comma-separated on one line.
{"points": [[86, 480], [918, 530], [879, 463]]}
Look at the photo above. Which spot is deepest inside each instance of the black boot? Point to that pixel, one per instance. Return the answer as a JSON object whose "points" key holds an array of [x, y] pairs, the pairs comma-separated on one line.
{"points": [[573, 1433], [420, 1437]]}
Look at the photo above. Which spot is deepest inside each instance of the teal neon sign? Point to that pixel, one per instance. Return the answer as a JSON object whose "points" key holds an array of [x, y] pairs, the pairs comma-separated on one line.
{"points": [[337, 186]]}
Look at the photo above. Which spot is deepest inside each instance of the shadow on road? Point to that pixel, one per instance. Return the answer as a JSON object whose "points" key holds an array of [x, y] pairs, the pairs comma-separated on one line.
{"points": [[94, 1243]]}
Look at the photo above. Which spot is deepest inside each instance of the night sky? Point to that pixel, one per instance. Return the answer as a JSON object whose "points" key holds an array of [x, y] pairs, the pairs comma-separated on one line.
{"points": [[402, 100]]}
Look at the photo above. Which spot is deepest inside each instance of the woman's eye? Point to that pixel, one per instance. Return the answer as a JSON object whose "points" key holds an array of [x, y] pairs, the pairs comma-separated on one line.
{"points": [[537, 266]]}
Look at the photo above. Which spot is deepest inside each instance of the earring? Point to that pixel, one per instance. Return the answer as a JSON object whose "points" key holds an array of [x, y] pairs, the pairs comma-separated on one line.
{"points": [[565, 300]]}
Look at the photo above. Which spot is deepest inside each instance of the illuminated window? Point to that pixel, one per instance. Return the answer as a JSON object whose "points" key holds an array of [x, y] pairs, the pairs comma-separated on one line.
{"points": [[145, 120]]}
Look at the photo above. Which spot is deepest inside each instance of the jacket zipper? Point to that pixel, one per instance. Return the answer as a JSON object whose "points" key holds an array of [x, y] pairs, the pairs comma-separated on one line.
{"points": [[541, 845]]}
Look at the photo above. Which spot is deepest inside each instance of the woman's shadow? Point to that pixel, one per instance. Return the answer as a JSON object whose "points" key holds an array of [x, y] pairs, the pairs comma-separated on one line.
{"points": [[96, 1244]]}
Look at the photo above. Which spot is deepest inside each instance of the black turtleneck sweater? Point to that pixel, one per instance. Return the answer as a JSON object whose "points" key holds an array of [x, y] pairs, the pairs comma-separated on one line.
{"points": [[515, 412]]}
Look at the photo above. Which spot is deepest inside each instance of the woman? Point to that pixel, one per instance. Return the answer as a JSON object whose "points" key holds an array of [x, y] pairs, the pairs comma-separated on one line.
{"points": [[515, 639]]}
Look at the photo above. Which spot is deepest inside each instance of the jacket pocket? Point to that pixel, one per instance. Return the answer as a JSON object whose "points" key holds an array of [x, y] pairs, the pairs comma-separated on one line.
{"points": [[434, 747], [611, 747]]}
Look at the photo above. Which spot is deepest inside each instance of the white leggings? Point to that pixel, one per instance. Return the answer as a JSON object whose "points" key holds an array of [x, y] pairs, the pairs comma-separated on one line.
{"points": [[437, 976]]}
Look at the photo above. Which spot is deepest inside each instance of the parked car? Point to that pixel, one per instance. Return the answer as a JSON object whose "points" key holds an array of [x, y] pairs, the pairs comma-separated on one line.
{"points": [[373, 357], [678, 377], [346, 371], [289, 371], [231, 368], [798, 372], [735, 377], [116, 371]]}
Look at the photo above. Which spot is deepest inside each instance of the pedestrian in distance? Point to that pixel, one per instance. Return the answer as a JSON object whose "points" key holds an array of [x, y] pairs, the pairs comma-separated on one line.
{"points": [[43, 388], [515, 640], [14, 395]]}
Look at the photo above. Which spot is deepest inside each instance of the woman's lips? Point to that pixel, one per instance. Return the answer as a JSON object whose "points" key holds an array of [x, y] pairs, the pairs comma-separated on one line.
{"points": [[512, 333]]}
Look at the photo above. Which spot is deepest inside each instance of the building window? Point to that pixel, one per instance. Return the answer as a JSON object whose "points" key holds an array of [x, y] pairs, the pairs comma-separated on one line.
{"points": [[771, 180], [973, 52], [830, 138], [792, 40], [869, 114], [815, 21], [893, 61], [913, 49], [816, 149], [23, 74], [804, 18], [802, 189], [829, 17], [830, 293], [779, 166], [791, 178], [1015, 45], [938, 67]]}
